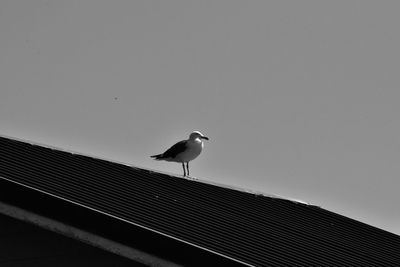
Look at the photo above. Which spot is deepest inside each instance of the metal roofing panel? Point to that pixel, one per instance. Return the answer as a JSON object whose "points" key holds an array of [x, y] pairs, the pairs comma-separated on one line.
{"points": [[252, 228]]}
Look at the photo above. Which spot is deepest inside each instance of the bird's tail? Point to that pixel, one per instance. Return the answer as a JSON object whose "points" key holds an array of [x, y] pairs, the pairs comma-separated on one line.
{"points": [[157, 157]]}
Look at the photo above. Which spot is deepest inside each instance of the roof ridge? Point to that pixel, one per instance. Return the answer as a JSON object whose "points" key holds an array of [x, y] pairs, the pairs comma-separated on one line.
{"points": [[209, 182]]}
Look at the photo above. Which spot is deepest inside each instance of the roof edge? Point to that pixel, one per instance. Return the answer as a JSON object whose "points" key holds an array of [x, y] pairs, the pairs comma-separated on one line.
{"points": [[231, 187]]}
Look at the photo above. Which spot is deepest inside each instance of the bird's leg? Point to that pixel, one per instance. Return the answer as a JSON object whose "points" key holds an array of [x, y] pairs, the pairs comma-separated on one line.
{"points": [[187, 167], [184, 171]]}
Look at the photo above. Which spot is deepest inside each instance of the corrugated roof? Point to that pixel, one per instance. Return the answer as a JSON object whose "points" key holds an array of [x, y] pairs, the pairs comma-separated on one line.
{"points": [[251, 228]]}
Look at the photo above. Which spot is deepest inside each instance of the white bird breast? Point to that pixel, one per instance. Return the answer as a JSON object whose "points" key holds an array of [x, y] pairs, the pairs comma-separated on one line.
{"points": [[193, 150]]}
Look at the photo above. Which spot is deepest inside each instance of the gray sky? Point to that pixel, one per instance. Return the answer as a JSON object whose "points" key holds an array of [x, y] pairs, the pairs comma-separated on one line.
{"points": [[299, 98]]}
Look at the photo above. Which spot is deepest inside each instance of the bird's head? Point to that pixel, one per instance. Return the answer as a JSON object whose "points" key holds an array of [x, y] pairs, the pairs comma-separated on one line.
{"points": [[197, 134]]}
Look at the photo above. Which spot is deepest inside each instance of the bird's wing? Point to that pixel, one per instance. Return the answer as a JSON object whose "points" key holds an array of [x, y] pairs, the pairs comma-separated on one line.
{"points": [[175, 149]]}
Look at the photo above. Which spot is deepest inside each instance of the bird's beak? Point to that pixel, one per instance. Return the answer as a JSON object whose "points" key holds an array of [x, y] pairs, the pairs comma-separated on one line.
{"points": [[204, 137]]}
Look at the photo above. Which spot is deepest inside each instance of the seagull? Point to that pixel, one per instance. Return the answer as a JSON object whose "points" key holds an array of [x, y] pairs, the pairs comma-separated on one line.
{"points": [[184, 151]]}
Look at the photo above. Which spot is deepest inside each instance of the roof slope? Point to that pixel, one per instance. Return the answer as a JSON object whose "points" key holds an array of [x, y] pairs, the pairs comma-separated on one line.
{"points": [[253, 229]]}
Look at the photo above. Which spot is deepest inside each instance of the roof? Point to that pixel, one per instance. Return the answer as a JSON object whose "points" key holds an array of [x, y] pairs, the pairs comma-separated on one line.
{"points": [[215, 223]]}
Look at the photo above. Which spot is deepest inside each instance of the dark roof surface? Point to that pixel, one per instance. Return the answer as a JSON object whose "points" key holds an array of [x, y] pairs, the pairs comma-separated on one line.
{"points": [[250, 228], [24, 244]]}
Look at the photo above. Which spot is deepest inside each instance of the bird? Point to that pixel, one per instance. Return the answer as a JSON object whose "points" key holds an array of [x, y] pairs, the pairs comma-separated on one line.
{"points": [[184, 151]]}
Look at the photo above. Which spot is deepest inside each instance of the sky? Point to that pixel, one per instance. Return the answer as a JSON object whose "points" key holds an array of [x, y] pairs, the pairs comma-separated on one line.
{"points": [[299, 98]]}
